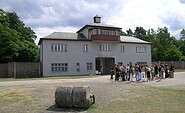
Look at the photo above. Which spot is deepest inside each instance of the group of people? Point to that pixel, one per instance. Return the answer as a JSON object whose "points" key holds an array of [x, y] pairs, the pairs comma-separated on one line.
{"points": [[142, 72]]}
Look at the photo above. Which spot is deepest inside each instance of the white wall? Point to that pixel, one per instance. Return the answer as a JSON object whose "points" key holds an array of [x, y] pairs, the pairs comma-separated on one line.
{"points": [[130, 55], [75, 54]]}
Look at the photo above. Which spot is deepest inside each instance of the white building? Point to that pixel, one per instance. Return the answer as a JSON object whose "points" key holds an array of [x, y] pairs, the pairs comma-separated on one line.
{"points": [[93, 46]]}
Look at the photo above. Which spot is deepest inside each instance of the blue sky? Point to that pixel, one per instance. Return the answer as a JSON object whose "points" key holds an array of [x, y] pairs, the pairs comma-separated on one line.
{"points": [[47, 16]]}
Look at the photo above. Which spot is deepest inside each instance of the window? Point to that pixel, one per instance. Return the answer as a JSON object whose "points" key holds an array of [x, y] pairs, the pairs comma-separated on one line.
{"points": [[122, 48], [141, 63], [140, 49], [105, 47], [77, 67], [107, 32], [59, 47], [59, 67], [89, 66], [104, 32], [120, 63], [85, 47], [117, 33], [94, 31]]}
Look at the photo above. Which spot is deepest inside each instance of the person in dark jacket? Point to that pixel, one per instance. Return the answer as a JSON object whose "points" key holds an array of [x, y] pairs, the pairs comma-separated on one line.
{"points": [[171, 70], [111, 73], [167, 72], [117, 73], [156, 71]]}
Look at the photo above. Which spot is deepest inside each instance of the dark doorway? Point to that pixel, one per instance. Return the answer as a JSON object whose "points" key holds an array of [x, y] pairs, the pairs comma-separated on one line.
{"points": [[106, 63]]}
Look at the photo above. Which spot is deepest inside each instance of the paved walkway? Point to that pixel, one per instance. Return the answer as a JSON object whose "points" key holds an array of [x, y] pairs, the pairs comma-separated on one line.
{"points": [[177, 82]]}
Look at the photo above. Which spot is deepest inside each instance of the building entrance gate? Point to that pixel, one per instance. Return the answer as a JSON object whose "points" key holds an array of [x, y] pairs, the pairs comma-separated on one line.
{"points": [[104, 64]]}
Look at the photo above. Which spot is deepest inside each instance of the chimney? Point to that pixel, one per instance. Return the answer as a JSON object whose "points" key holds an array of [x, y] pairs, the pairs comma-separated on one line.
{"points": [[97, 19]]}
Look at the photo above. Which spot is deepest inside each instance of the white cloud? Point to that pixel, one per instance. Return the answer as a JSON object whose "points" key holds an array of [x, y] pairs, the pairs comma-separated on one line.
{"points": [[174, 17], [46, 16], [45, 31], [138, 13]]}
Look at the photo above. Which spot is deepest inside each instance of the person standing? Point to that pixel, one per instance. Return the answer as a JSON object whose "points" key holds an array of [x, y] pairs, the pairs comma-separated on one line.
{"points": [[139, 77], [131, 73], [156, 71], [128, 72], [160, 72], [124, 73], [166, 71], [112, 73], [137, 71], [152, 72], [143, 76], [117, 73], [148, 70], [171, 70]]}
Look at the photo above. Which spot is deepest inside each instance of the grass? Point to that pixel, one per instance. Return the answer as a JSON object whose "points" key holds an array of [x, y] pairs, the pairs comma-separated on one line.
{"points": [[150, 100], [146, 100], [48, 78], [14, 99]]}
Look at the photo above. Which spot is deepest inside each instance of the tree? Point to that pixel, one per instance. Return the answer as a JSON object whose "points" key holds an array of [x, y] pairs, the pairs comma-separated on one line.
{"points": [[9, 44], [123, 33], [26, 32], [129, 32], [163, 35], [16, 40], [163, 46], [173, 53], [182, 34], [181, 45], [140, 33]]}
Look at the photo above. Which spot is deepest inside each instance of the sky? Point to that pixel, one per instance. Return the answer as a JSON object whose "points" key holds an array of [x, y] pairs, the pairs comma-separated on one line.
{"points": [[47, 16]]}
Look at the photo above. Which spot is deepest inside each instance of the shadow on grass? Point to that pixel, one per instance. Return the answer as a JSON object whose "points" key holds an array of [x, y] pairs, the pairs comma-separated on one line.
{"points": [[56, 109]]}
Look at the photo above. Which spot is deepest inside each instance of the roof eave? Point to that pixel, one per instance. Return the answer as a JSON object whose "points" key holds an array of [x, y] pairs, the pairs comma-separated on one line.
{"points": [[136, 42], [98, 26], [40, 41]]}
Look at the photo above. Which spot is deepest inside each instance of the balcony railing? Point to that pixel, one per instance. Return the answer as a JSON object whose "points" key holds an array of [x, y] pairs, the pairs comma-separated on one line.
{"points": [[105, 38]]}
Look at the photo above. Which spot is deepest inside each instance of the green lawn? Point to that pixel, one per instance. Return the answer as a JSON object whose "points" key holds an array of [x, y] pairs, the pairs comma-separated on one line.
{"points": [[143, 100], [15, 99], [149, 100]]}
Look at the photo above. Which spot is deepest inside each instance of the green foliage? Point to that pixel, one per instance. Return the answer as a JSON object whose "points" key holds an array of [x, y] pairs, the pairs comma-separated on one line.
{"points": [[164, 47], [182, 34], [16, 40], [9, 44], [123, 33], [129, 32], [140, 32], [173, 53]]}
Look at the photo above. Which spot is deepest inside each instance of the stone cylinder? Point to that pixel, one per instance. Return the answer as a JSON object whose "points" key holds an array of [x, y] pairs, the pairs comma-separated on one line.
{"points": [[63, 97], [74, 97]]}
